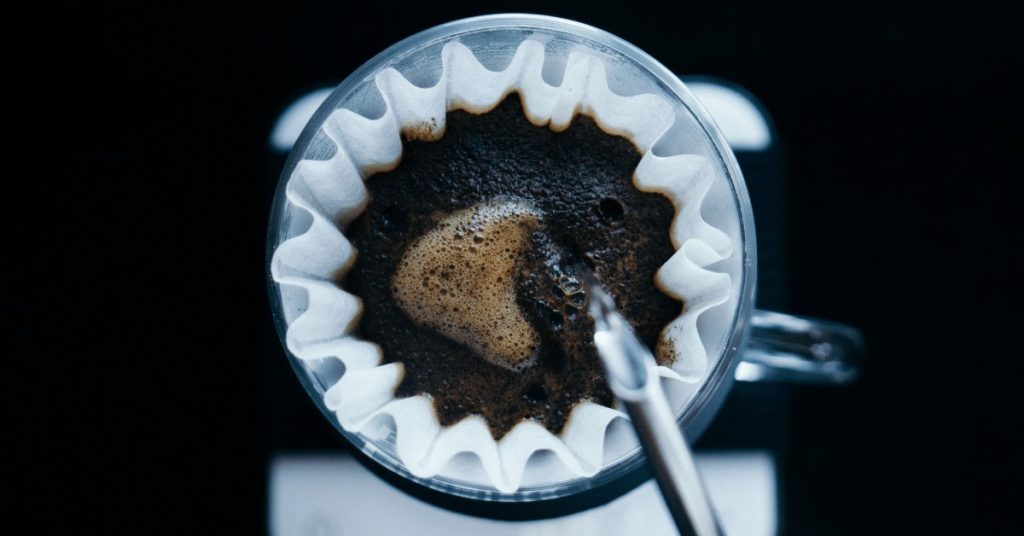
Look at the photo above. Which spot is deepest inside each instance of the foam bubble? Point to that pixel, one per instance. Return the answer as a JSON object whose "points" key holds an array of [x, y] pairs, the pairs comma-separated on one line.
{"points": [[459, 279]]}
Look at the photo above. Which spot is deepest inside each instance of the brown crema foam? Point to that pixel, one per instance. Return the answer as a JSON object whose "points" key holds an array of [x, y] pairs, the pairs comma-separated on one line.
{"points": [[467, 264], [459, 279]]}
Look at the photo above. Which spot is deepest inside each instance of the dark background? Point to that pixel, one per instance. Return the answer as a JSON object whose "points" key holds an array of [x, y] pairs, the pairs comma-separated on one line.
{"points": [[136, 396]]}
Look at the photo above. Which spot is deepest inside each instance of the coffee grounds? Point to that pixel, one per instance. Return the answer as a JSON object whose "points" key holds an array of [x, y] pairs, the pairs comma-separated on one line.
{"points": [[581, 181]]}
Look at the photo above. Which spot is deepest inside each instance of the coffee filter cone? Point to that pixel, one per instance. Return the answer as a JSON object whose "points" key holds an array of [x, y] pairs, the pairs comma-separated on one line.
{"points": [[325, 192]]}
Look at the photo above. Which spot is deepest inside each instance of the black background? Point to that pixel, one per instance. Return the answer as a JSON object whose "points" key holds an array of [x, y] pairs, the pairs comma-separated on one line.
{"points": [[136, 400]]}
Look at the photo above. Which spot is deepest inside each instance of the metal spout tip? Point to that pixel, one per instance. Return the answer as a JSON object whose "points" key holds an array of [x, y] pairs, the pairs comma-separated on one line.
{"points": [[625, 357]]}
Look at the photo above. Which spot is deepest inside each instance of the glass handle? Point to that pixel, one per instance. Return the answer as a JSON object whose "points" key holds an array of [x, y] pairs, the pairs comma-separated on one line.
{"points": [[794, 349]]}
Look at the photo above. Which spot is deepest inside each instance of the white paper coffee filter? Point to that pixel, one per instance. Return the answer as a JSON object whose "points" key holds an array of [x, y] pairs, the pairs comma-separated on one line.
{"points": [[327, 194]]}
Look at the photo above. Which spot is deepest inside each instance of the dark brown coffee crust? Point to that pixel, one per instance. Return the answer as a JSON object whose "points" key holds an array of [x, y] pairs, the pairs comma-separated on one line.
{"points": [[581, 179]]}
